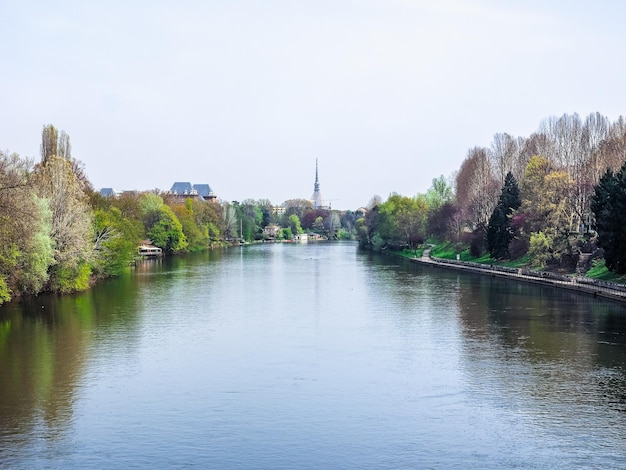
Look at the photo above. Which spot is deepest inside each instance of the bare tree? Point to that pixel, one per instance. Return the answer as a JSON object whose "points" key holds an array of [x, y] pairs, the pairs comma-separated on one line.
{"points": [[64, 148], [49, 142], [503, 155], [297, 206], [477, 188], [229, 220], [611, 151]]}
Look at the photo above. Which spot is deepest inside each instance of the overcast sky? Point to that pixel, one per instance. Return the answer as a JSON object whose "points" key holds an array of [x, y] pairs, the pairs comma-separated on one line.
{"points": [[245, 95]]}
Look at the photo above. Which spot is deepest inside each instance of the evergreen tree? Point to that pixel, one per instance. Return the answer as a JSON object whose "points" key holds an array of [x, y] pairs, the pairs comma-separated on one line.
{"points": [[499, 232], [609, 207]]}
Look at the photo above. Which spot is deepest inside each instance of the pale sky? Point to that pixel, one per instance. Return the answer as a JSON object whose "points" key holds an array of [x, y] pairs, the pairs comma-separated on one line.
{"points": [[245, 95]]}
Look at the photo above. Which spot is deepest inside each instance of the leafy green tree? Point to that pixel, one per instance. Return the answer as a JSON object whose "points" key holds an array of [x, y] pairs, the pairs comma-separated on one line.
{"points": [[150, 205], [252, 217], [294, 224], [208, 217], [361, 231], [197, 238], [116, 240], [608, 204], [439, 193], [400, 220], [167, 232], [499, 232]]}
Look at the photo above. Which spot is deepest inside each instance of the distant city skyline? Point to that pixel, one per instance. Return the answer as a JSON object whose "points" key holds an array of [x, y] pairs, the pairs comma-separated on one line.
{"points": [[246, 95]]}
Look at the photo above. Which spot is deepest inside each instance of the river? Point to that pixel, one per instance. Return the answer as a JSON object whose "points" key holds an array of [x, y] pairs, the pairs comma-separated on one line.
{"points": [[312, 356]]}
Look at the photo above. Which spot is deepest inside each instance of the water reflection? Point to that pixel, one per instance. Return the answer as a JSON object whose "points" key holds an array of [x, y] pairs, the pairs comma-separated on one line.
{"points": [[548, 346], [318, 356], [45, 343]]}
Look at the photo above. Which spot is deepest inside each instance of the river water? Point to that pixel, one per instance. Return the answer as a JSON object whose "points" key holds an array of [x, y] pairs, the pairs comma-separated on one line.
{"points": [[312, 356]]}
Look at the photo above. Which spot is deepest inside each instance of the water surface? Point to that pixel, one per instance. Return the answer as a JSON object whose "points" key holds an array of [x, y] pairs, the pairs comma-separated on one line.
{"points": [[286, 356]]}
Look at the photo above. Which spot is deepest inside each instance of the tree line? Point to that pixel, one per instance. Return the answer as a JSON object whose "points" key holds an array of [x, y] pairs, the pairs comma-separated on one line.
{"points": [[57, 234], [521, 196], [547, 197]]}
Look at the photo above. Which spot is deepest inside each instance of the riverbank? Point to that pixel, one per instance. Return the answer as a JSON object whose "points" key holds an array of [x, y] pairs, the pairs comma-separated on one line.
{"points": [[584, 285]]}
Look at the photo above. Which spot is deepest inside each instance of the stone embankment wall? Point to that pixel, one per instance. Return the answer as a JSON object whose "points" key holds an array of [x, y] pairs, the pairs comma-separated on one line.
{"points": [[609, 290]]}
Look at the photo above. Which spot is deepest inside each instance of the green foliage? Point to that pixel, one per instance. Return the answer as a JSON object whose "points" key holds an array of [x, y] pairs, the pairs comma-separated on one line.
{"points": [[150, 206], [609, 206], [294, 224], [343, 234], [38, 253], [208, 218], [197, 237], [499, 232], [377, 242], [250, 217], [72, 225], [9, 253], [167, 232], [116, 240], [5, 292], [600, 271], [540, 250], [67, 279], [213, 232], [439, 193], [287, 233], [449, 250], [400, 220]]}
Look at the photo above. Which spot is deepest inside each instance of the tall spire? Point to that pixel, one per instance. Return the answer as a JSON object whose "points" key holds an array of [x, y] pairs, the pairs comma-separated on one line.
{"points": [[316, 199], [316, 187]]}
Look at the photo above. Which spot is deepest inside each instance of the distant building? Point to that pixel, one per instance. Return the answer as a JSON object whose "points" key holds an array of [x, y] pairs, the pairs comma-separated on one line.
{"points": [[109, 192], [272, 230], [316, 199], [278, 210], [185, 189], [205, 192]]}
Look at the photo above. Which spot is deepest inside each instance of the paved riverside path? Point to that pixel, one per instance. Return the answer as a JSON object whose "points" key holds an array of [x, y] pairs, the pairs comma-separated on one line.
{"points": [[596, 288]]}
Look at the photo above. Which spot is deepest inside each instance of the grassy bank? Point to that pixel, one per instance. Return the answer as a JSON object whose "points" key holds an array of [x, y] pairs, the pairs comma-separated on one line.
{"points": [[449, 250]]}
